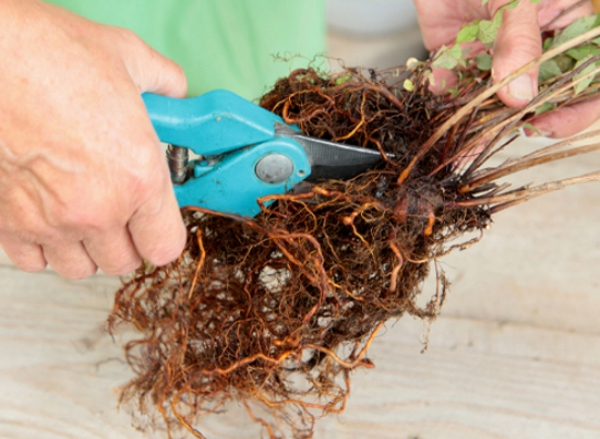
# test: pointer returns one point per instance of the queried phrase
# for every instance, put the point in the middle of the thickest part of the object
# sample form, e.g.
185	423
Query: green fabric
220	43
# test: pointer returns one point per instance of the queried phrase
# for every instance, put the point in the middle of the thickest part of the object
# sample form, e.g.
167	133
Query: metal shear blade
331	160
246	153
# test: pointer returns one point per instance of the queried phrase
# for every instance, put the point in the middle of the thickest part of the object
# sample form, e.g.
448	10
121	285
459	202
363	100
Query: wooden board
515	353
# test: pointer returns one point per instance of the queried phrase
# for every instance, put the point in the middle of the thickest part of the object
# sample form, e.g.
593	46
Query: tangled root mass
276	311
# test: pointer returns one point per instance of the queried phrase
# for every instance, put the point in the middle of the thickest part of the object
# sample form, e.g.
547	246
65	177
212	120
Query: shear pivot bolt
178	158
274	168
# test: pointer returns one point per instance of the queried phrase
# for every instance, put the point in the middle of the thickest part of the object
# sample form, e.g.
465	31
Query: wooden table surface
514	354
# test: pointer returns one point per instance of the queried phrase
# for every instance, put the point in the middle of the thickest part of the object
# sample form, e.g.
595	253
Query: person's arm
517	43
83	180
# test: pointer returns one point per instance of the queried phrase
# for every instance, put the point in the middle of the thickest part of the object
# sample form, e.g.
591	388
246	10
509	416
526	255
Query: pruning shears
243	152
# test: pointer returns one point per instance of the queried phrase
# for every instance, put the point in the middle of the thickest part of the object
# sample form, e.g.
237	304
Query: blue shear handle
221	124
232	186
213	123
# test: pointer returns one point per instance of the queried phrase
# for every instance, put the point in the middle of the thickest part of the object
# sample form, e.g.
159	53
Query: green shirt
229	44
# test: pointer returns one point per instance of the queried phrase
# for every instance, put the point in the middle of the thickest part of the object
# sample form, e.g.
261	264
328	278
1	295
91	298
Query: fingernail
521	88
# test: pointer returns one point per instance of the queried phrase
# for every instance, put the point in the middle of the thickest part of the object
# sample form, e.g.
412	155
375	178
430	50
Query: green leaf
455	51
429	75
487	31
468	33
444	61
583	84
547	44
544	108
483	62
581	52
528	126
484	30
565	63
549	69
343	79
578	27
408	85
497	19
448	57
513	4
483	2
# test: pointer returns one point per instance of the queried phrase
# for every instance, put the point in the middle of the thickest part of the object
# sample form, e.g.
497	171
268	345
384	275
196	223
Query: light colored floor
515	353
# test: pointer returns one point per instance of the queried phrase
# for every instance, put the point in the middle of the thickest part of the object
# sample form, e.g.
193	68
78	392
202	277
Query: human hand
83	179
517	43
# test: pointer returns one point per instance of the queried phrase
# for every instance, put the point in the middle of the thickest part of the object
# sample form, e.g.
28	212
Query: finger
151	71
443	80
113	252
156	228
518	42
26	256
550	10
568	120
440	28
70	260
163	76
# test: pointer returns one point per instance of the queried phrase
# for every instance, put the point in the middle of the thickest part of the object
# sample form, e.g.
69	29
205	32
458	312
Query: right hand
84	183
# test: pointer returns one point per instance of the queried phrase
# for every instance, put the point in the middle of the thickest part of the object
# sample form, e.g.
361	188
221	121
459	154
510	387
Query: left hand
518	42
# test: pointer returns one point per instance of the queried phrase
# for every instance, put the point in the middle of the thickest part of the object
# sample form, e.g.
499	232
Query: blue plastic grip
213	123
233	135
230	185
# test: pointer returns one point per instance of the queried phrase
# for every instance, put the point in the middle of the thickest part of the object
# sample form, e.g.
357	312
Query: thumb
518	42
156	226
152	71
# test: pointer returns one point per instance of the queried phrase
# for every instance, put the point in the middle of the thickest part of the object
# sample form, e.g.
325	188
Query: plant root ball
276	311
